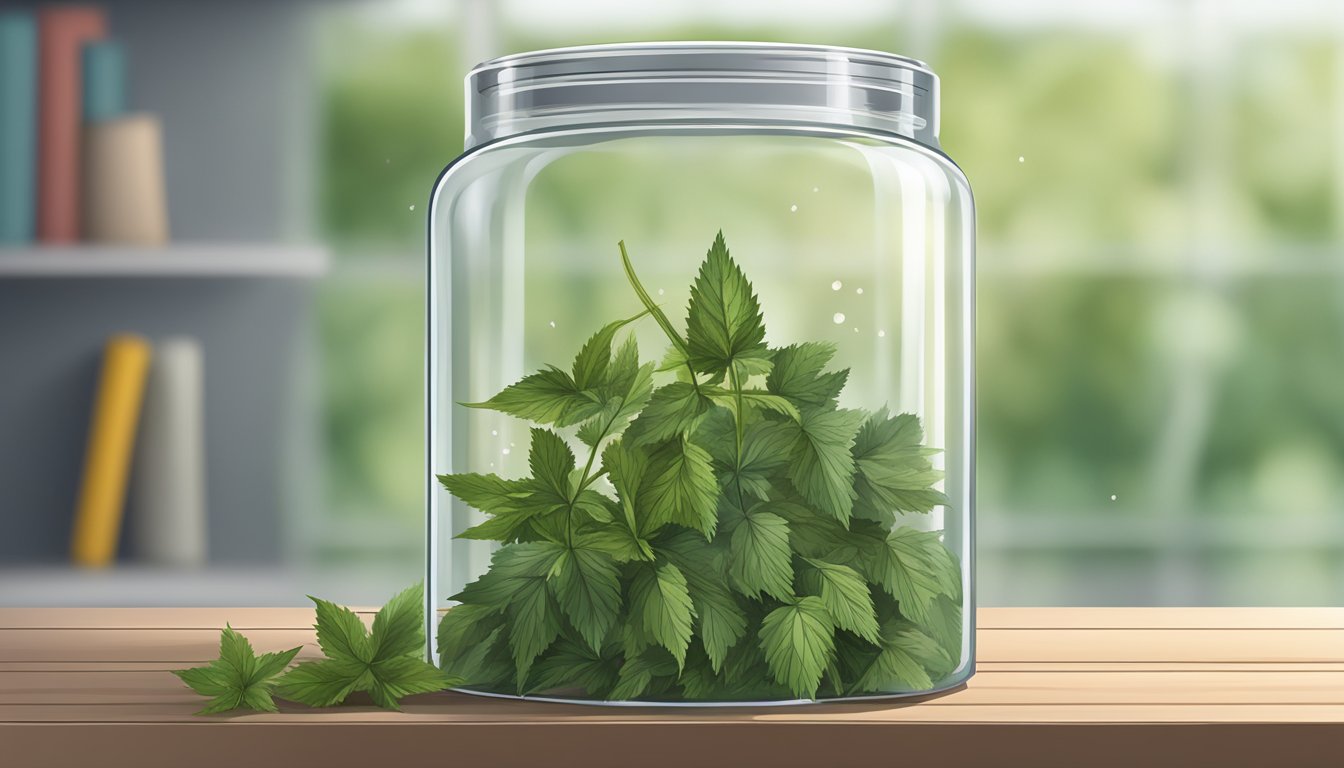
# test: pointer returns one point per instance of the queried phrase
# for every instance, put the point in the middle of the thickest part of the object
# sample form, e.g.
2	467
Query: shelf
1055	687
194	260
214	585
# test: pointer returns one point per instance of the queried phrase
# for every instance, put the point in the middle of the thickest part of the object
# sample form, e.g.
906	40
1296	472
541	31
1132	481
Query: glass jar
700	392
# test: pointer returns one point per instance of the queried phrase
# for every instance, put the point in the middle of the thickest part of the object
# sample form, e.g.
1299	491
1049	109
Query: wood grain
1067	687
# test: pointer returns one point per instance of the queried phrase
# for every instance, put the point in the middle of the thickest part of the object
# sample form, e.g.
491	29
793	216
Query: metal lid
702	81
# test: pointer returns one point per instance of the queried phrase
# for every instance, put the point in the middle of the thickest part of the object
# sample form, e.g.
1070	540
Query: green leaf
590	367
324	683
751	398
386	663
845	594
466	637
660	599
399	626
797	374
719	620
902	664
511	567
672	411
397	677
678	487
569	664
585	582
823	468
551	461
759	556
915	568
549	396
724	321
639	671
535	624
624	393
488	493
238	678
799	642
894	473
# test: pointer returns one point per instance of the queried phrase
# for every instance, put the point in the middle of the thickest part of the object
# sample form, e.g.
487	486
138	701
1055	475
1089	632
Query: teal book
18	128
104	80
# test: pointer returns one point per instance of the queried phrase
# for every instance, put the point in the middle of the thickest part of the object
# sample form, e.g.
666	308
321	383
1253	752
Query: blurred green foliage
1160	313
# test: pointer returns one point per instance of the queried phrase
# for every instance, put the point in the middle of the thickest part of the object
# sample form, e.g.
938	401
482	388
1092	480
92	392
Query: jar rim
564	87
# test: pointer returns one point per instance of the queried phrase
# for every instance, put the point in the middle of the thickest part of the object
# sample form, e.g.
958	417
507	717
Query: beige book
124	199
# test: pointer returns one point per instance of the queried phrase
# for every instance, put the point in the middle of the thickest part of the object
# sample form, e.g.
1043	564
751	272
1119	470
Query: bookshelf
197	260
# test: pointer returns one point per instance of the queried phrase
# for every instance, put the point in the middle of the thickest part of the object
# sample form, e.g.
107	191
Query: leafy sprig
751	546
386	662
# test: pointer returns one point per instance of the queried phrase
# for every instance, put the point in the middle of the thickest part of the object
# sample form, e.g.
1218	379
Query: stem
737	427
657	313
586	480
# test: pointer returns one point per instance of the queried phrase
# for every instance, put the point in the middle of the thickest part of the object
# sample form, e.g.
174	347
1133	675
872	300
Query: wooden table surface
1055	686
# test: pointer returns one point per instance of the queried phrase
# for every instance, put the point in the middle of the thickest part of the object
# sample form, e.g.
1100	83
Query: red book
62	32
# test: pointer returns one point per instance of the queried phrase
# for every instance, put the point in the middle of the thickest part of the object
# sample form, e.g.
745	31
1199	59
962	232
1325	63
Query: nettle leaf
590	367
915	568
511	502
570	664
845	594
797	374
894	472
720	621
799	643
904	660
823	467
535	624
672	411
386	663
661	600
625	391
585	582
678	487
511	567
549	396
723	322
551	461
238	679
639	671
759	556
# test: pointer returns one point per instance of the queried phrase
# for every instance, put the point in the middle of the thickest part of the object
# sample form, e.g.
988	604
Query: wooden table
1066	687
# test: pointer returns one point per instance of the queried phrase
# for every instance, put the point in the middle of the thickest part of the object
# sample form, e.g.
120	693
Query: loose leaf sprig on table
750	547
388	662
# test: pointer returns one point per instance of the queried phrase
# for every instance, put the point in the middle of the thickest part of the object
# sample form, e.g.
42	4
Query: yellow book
107	459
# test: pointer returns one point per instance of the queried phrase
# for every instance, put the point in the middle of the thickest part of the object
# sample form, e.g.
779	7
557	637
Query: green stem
586	480
657	313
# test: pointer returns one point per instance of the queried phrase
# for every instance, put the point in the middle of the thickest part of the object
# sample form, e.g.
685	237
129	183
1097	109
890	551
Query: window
1161	294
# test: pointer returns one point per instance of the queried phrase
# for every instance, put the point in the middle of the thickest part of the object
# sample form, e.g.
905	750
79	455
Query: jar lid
712	82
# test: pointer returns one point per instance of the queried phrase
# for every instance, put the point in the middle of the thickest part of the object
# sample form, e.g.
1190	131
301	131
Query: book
107	457
167	517
123	189
62	31
18	126
103	73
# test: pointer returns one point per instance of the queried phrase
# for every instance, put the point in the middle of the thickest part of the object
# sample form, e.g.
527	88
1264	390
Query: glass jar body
804	505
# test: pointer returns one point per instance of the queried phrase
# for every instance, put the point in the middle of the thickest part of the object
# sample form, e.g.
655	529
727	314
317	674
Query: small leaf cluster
387	663
742	543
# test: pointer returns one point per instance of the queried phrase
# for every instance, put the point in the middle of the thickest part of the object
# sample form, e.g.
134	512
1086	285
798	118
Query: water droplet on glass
816	189
495	432
513	445
660	291
837	285
552	323
793	208
859	291
856	329
839	318
881	334
492	465
1112	497
1021	159
506	451
412	207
